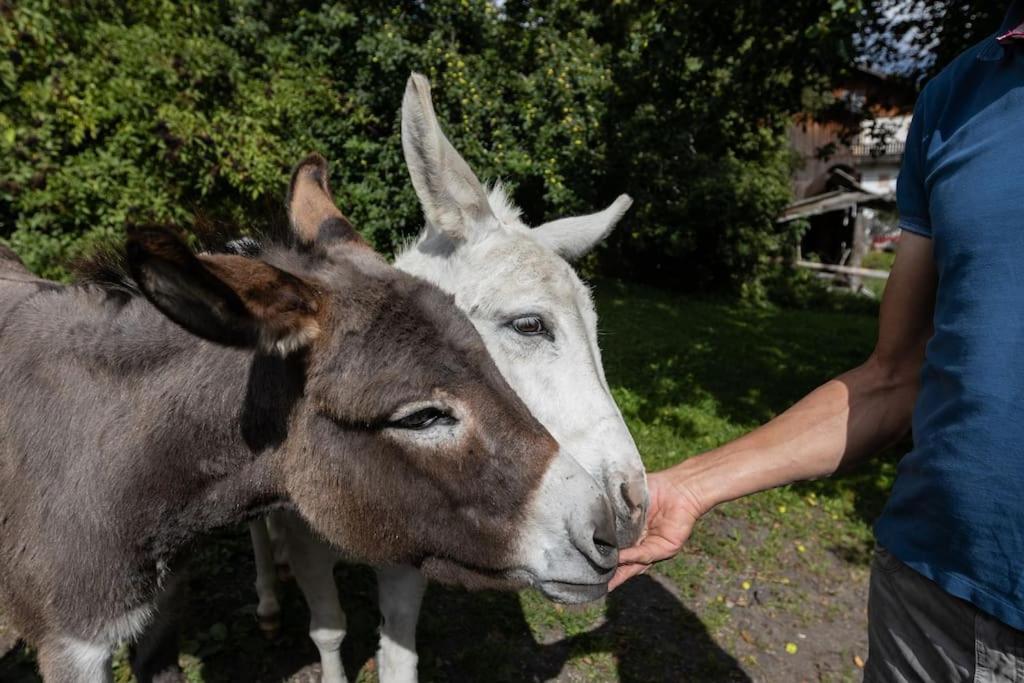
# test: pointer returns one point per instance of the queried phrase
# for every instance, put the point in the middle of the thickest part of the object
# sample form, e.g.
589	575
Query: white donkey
538	322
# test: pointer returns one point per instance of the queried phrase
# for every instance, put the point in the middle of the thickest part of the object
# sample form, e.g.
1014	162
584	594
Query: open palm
673	512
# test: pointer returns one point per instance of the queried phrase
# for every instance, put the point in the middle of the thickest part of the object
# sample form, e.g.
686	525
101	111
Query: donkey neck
222	419
172	435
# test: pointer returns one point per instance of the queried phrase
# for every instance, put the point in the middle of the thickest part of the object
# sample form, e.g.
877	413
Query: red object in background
885	242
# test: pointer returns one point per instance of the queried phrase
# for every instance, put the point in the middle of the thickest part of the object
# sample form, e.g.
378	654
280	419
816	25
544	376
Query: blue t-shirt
956	514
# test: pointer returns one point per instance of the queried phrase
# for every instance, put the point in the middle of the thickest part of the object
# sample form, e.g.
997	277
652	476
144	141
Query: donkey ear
314	217
230	300
453	199
571	238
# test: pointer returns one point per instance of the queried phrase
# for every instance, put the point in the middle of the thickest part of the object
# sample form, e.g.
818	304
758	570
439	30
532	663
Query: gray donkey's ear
227	299
314	216
573	237
454	201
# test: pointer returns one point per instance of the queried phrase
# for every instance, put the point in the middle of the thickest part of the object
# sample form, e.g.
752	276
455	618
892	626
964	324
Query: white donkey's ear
573	237
453	199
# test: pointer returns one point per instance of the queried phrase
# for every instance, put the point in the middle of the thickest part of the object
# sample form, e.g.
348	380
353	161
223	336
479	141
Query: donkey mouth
572	593
446	570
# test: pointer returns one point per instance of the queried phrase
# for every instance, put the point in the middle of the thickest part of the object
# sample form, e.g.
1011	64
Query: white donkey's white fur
538	322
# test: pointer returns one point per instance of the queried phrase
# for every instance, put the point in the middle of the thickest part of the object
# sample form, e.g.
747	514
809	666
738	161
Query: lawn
878	260
770	588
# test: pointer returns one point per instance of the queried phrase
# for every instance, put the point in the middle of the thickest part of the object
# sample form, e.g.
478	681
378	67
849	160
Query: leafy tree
704	91
150	110
918	38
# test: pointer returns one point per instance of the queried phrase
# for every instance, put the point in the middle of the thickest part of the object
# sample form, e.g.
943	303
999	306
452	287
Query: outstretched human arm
846	419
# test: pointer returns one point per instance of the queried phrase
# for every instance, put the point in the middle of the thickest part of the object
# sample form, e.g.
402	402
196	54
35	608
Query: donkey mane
106	266
501	204
505	210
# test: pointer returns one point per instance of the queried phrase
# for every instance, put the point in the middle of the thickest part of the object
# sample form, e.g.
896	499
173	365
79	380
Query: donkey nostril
598	544
603	549
604	537
633	493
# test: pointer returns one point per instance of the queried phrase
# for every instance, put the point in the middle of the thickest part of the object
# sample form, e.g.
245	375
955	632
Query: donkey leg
154	656
400	590
69	660
276	525
313	563
268	610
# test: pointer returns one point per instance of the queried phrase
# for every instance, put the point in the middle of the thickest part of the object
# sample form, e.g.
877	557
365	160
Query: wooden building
848	161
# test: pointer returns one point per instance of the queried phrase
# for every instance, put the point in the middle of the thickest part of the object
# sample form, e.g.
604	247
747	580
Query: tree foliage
918	38
151	110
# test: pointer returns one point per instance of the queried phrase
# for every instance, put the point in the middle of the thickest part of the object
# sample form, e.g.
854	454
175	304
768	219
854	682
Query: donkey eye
422	419
530	326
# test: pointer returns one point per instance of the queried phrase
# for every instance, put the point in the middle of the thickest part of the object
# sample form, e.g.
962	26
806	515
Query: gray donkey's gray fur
316	378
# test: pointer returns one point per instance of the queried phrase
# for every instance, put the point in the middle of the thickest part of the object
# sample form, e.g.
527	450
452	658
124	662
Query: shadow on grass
649	633
752	362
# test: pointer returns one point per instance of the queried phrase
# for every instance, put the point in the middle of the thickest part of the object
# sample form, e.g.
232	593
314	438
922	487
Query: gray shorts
918	632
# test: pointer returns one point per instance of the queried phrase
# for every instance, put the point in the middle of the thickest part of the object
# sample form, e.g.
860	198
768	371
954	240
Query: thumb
652	549
624	573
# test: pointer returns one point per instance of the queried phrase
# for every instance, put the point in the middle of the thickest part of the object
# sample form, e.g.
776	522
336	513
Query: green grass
690	375
880	260
877	260
784	566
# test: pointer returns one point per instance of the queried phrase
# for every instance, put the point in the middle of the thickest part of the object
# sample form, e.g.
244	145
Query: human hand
674	509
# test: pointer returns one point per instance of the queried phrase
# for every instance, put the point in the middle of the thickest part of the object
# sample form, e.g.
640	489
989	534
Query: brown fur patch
225	298
311	209
285	306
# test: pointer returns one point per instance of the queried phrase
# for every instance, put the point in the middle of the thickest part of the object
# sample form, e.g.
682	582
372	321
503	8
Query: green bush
112	113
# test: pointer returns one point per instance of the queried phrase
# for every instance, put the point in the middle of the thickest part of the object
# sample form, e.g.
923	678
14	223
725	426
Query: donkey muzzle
571	548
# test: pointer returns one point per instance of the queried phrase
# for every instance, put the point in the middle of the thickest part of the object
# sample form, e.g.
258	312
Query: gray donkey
216	387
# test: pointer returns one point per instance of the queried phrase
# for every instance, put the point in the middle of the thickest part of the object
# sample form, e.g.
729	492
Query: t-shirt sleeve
911	193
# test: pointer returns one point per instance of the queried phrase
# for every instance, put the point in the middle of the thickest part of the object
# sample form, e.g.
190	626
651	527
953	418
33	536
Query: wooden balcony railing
878	151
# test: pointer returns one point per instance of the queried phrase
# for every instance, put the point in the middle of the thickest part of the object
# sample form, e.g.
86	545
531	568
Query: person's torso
957	509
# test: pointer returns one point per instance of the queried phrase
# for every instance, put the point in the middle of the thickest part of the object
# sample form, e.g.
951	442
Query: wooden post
859	247
843	270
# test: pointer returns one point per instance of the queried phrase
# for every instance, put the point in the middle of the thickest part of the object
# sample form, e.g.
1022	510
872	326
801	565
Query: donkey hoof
270	625
284	572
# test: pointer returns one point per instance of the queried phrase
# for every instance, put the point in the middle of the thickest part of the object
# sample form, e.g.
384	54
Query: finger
625	573
645	553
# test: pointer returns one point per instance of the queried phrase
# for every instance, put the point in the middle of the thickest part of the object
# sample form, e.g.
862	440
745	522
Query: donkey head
534	314
406	445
